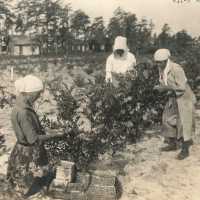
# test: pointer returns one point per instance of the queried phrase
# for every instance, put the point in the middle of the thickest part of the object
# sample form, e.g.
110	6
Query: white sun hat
120	43
29	83
162	54
19	85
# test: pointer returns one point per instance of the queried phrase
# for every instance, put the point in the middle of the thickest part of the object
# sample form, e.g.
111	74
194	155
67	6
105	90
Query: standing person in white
120	62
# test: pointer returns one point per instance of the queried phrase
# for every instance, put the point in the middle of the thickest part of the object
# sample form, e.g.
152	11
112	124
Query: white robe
119	65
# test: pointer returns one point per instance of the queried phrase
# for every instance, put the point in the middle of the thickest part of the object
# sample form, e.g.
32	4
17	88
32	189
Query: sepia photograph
99	99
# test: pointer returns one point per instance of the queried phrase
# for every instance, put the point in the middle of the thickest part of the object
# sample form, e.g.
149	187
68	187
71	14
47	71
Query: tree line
55	27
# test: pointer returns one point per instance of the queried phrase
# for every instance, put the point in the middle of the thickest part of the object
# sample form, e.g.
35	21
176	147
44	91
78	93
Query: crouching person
178	120
28	163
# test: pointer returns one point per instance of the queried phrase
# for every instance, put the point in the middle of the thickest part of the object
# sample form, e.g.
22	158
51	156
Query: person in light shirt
178	114
120	61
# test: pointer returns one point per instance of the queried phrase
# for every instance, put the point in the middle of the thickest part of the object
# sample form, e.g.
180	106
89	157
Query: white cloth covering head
18	85
162	54
166	71
120	43
28	84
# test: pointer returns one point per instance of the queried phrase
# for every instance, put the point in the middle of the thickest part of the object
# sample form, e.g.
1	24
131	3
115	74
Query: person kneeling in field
178	119
120	62
28	164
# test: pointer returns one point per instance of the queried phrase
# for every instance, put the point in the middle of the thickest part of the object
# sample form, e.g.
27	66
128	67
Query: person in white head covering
29	155
120	61
178	113
18	84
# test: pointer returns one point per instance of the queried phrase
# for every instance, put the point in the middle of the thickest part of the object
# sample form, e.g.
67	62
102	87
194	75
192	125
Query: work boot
185	150
172	146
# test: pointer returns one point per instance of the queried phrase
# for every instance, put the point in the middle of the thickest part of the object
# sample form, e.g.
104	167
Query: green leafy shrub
117	115
6	98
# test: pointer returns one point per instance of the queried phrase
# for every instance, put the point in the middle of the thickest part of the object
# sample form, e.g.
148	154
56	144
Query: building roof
22	40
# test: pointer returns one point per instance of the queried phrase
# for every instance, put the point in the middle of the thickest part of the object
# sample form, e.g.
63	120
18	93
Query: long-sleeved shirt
119	65
25	122
185	98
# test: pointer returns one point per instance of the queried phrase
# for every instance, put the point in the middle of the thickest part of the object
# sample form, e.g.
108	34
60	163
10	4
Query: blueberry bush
117	115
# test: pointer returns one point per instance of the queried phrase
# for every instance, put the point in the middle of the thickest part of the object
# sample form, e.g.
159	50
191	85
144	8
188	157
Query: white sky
178	16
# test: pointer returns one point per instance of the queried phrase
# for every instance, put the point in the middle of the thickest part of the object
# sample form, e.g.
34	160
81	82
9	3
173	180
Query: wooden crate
58	194
87	186
77	195
92	179
98	186
75	187
65	174
101	193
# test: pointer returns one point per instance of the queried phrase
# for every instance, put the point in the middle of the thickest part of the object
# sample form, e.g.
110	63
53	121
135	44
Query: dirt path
159	176
149	174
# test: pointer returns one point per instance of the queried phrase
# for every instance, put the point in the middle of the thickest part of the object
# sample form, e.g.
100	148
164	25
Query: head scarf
166	71
161	55
29	83
19	85
120	43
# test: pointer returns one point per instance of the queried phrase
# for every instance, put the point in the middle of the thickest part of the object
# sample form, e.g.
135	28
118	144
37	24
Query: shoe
170	147
185	150
183	154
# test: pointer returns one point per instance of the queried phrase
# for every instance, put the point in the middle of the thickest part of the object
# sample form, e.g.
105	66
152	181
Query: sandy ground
148	173
159	176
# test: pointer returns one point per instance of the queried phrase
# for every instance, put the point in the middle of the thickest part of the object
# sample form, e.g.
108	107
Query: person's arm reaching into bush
28	127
